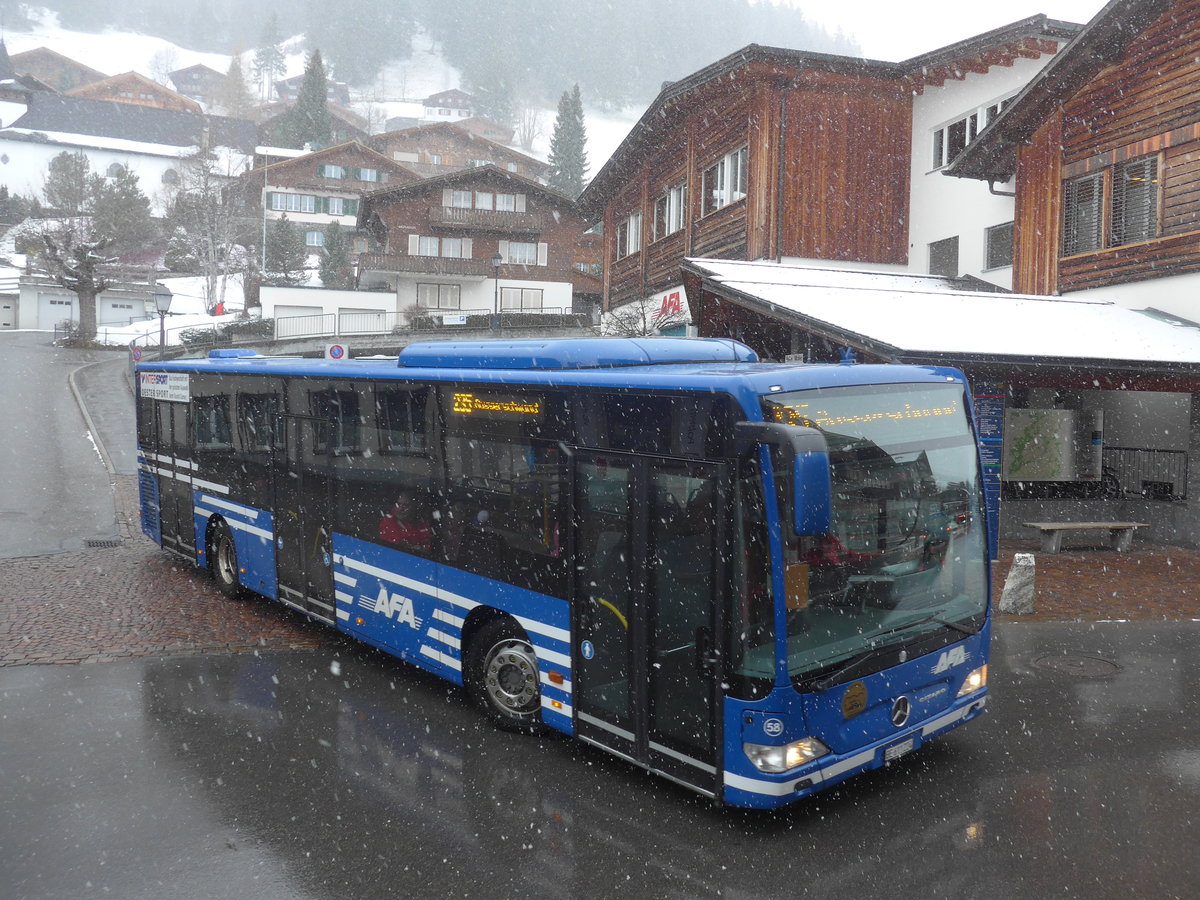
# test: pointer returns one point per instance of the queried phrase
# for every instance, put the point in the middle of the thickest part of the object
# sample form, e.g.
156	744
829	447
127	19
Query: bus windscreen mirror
813	493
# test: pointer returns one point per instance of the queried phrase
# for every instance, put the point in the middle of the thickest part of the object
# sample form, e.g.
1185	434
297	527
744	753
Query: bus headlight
772	758
975	681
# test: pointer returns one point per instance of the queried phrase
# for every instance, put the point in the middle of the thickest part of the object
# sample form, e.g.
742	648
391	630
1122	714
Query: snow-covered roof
915	317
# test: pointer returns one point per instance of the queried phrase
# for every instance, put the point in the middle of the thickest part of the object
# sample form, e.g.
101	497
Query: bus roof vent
572	353
230	354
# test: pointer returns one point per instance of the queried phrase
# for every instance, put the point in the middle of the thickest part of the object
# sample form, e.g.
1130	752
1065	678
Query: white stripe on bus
248	511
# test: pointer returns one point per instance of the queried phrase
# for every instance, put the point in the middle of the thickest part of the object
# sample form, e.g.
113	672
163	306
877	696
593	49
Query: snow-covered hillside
425	72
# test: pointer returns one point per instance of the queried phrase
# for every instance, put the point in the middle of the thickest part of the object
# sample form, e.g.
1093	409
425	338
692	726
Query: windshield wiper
829	680
957	626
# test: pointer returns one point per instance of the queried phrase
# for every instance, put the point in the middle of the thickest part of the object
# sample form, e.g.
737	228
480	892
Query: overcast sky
894	30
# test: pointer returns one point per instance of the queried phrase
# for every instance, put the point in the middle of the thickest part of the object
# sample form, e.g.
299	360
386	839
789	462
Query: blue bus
755	579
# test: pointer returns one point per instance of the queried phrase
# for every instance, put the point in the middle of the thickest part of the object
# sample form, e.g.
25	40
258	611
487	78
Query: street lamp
162	305
497	259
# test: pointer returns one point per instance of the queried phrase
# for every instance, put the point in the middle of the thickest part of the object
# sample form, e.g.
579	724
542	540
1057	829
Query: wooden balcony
423	265
494	220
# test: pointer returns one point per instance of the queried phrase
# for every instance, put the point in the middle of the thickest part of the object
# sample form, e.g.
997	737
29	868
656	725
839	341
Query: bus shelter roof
926	319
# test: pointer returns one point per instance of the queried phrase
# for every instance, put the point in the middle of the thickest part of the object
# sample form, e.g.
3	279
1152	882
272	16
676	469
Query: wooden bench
1121	533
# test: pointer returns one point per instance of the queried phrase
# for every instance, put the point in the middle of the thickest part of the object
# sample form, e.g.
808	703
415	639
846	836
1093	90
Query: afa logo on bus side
390	605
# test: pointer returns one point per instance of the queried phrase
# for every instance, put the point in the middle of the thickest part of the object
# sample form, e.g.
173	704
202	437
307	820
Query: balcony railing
486	219
423	265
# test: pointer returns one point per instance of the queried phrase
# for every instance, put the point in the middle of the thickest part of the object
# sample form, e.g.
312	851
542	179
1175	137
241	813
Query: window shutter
322	205
356	173
1134	202
520	203
504	250
1082	214
447	197
466	248
320	170
270	202
414	244
350	207
543	251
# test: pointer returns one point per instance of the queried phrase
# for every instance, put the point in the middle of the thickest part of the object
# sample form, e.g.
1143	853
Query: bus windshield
904	559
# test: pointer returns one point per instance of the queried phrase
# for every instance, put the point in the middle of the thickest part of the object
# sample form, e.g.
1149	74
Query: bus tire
222	560
502	676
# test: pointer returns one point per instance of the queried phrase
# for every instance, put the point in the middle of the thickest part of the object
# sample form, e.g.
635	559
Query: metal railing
1153	474
416	321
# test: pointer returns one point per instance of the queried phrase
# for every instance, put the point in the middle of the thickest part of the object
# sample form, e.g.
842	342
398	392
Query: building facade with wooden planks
789	155
1105	149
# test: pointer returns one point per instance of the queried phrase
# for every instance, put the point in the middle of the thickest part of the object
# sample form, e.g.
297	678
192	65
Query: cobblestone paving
132	600
138	600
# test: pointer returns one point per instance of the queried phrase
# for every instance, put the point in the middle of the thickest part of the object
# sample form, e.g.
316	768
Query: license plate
897	750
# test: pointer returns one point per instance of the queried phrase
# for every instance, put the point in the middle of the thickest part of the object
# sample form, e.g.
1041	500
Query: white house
151	142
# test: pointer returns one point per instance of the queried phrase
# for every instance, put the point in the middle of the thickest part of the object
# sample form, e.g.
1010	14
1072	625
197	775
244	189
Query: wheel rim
510	677
226	560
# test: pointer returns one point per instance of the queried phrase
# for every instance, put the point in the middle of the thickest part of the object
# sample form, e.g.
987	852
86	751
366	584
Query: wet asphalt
339	772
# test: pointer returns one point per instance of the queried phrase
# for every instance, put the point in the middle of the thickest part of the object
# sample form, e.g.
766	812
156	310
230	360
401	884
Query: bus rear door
648	591
303	539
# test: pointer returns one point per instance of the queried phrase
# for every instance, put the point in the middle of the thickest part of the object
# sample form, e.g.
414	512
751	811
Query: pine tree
335	258
269	61
568	146
121	212
180	255
308	121
70	185
287	257
233	97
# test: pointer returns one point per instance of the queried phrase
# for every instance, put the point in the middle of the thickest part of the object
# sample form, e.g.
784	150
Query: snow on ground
187	311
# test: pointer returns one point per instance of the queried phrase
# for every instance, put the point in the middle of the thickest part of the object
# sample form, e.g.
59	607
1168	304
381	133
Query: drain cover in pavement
1083	666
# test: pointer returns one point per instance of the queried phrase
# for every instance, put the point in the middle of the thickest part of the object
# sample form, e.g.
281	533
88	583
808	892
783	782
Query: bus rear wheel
503	676
222	561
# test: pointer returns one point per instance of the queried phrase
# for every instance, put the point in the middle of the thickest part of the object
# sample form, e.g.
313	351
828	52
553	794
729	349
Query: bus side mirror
812	493
812	485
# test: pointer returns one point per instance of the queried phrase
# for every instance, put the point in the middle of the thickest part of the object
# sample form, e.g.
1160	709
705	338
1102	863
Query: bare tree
163	63
75	264
212	212
529	127
642	318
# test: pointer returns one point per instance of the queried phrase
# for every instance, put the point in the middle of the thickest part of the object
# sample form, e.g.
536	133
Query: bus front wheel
222	561
503	676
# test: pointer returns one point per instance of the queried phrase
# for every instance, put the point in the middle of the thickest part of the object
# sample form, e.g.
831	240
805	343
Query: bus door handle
706	658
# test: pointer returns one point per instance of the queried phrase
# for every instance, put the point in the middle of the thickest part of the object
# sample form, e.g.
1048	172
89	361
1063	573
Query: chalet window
334	205
1083	214
998	246
427	246
476	163
439	296
943	257
484	200
522	253
521	298
1134	202
367	174
724	182
435	159
116	170
669	211
460	199
314	238
293	202
629	235
331	171
455	248
506	202
952	138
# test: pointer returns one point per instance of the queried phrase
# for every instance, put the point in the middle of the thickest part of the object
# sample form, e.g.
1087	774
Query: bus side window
210	418
259	422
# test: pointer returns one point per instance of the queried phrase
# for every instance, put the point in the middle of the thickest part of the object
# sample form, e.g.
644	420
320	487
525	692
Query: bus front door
648	598
303	545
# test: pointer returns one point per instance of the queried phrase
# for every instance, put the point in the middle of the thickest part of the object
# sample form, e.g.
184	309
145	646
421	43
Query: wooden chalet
345	124
772	153
1105	149
198	82
466	231
53	69
138	90
445	147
